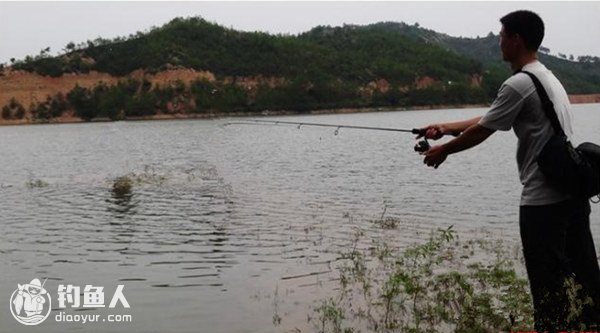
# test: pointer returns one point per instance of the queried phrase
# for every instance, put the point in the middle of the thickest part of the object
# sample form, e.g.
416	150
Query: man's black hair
528	25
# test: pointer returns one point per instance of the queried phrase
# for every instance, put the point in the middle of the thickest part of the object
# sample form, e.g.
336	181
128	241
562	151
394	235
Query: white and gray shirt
518	106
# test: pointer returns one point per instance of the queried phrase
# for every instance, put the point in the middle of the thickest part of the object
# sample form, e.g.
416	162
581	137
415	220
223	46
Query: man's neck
523	60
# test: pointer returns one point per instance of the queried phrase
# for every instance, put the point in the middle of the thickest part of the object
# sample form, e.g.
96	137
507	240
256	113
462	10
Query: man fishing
555	232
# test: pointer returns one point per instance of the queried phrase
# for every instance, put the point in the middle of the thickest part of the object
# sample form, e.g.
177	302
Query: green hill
326	67
350	53
578	77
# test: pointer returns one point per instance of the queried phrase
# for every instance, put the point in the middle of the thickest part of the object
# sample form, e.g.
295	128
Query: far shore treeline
379	65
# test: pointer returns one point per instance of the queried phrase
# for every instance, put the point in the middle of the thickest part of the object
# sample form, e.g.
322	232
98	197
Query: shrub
81	100
13	110
141	105
40	111
6	112
430	287
53	107
57	105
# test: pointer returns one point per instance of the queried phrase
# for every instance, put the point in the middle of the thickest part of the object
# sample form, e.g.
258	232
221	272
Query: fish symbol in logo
30	303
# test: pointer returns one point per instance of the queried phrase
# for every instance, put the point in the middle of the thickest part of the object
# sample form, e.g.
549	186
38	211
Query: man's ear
519	40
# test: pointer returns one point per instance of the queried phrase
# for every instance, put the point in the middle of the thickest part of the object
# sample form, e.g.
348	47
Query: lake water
231	223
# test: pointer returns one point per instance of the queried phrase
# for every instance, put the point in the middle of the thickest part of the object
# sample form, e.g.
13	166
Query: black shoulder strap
547	104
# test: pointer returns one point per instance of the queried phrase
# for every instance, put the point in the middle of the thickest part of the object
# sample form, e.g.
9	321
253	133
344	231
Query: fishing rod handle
423	131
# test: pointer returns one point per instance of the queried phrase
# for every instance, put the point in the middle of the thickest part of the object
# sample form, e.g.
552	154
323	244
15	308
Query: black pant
558	244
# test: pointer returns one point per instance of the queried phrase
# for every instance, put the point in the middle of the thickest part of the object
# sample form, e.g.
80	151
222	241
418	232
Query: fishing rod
300	124
421	146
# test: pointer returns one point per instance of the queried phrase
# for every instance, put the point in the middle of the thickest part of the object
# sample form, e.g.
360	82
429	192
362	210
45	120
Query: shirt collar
532	65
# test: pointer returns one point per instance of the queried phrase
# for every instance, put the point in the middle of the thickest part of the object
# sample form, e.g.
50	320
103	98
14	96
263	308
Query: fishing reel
422	146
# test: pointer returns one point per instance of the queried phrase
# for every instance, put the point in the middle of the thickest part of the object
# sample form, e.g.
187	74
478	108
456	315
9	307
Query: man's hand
436	131
471	137
433	131
435	156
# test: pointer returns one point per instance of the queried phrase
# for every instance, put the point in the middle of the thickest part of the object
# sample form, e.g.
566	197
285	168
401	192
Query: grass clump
387	222
441	285
33	182
437	286
36	183
122	186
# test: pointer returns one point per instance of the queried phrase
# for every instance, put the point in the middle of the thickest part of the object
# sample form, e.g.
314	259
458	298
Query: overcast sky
28	27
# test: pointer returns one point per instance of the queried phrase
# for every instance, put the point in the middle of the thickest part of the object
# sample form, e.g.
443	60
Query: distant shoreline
575	99
29	88
218	115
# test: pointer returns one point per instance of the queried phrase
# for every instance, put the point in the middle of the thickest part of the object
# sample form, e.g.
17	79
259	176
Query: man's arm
472	136
436	131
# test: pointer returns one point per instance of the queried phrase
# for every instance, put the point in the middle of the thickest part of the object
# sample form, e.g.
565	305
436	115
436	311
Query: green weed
35	183
122	186
436	286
